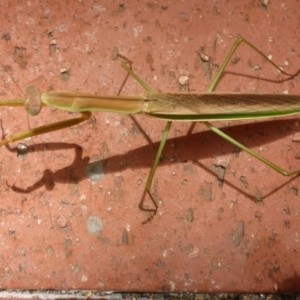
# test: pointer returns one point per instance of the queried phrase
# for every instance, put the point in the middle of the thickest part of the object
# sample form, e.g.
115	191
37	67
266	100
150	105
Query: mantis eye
33	102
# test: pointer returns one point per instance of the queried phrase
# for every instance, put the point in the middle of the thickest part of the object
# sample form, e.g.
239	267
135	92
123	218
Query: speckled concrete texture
69	202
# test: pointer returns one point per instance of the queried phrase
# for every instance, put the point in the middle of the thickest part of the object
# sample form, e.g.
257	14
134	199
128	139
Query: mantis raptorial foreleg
212	87
46	128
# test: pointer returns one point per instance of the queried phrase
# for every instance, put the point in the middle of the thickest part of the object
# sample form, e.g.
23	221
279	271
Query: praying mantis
191	107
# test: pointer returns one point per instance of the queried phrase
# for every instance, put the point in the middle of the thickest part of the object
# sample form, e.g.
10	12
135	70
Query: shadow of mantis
188	148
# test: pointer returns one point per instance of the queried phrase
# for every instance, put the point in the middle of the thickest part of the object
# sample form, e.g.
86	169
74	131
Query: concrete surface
225	222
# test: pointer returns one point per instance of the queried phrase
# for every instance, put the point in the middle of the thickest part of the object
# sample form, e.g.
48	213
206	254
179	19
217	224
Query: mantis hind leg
238	42
250	152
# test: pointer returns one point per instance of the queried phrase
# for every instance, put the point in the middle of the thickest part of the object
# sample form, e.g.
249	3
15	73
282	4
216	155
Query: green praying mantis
192	107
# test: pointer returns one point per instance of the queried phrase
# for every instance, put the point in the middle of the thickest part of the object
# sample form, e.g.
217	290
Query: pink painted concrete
70	232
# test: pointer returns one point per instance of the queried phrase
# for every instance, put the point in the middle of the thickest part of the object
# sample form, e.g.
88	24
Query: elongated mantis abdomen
221	106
